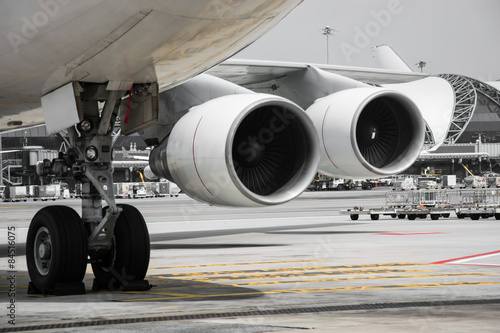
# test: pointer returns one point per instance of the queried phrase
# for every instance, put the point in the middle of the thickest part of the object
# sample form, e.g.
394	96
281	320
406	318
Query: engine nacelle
367	132
240	150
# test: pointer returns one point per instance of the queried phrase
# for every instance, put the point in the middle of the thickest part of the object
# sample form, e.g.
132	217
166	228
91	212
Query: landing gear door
60	108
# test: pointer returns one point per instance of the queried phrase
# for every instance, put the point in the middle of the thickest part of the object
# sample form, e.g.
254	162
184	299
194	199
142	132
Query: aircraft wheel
56	249
125	265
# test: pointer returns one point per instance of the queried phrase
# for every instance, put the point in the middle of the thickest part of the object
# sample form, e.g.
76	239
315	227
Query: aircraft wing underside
248	72
44	45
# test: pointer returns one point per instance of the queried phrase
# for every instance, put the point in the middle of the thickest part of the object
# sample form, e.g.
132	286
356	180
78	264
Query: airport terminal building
471	132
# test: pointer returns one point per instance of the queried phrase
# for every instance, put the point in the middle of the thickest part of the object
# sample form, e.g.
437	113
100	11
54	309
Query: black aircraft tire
56	248
130	255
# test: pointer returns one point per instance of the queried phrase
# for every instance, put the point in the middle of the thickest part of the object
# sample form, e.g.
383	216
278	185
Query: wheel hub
42	249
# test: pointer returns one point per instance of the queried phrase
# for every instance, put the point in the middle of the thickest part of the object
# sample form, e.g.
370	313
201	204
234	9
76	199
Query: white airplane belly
47	44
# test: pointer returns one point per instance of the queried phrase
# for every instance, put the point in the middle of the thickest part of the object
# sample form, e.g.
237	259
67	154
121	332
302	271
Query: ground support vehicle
412	204
162	189
475	213
325	183
137	191
121	190
474	204
45	192
15	194
374	213
401	213
174	190
131	191
479	204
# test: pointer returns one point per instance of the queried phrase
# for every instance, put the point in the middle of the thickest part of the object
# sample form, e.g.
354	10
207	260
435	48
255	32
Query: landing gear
115	239
56	251
124	266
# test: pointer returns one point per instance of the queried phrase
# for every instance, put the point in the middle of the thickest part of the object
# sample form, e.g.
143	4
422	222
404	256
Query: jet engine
367	132
240	150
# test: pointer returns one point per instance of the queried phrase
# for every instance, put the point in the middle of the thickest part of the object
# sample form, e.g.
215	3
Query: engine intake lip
272	151
397	149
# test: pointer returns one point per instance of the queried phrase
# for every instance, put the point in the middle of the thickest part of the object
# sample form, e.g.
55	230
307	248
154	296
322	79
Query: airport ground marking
13	207
483	265
467	258
347	279
408	233
281	275
288	269
171	296
238	264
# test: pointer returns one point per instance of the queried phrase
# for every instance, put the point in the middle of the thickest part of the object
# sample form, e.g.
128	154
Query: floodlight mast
421	65
327	31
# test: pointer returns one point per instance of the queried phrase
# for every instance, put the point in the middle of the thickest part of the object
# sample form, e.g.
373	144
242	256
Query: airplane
242	134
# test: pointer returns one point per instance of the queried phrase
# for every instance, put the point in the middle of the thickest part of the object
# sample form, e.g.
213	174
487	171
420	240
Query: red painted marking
125	121
482	265
194	159
468	257
410	233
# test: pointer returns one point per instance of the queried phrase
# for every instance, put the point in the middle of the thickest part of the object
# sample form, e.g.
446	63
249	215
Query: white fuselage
45	44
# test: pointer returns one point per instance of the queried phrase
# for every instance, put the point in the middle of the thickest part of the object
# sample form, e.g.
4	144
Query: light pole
327	31
421	65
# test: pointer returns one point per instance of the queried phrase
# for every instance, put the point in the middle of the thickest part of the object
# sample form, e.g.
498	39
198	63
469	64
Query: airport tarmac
295	267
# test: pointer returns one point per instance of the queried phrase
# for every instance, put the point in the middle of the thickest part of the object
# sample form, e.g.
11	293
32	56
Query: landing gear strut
114	239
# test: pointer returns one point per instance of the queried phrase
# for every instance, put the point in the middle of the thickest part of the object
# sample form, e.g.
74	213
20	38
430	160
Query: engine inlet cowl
240	150
367	132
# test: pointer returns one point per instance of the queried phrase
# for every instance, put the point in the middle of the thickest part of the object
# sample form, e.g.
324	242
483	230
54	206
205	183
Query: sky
452	36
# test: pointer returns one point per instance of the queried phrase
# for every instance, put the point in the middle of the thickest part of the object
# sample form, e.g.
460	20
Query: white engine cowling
240	150
367	132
